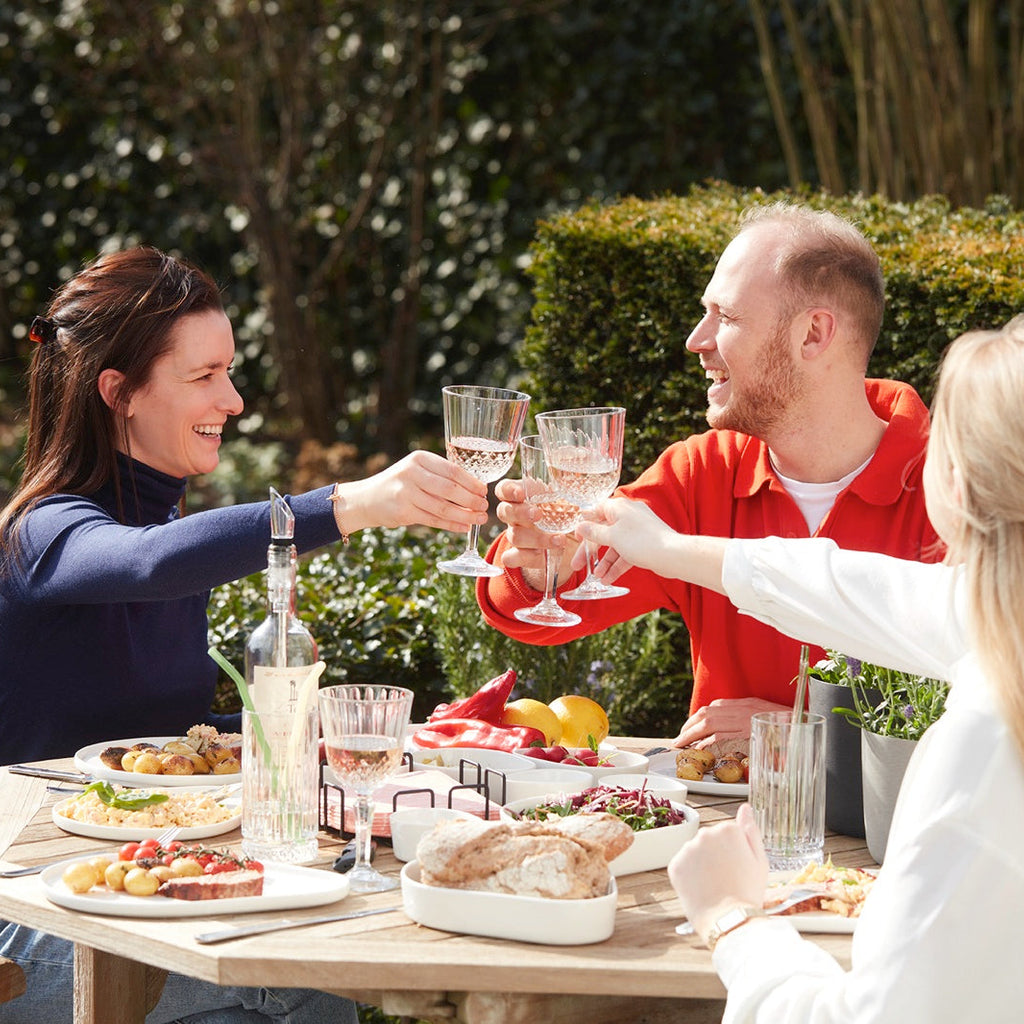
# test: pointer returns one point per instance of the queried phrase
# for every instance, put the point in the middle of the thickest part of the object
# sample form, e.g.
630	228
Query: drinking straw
795	754
243	692
801	685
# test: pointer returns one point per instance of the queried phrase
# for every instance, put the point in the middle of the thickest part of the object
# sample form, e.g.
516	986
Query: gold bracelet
335	498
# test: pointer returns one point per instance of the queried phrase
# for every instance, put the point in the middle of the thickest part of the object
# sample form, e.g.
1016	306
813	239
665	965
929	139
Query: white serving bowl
652	849
661	786
410	824
551	781
452	760
504	916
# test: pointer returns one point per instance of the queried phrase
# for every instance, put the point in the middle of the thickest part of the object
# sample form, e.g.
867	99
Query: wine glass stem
588	550
550	576
364	819
472	539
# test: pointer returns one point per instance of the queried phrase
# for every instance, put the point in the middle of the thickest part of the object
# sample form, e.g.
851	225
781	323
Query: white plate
88	760
665	764
504	916
651	850
285	887
125	833
450	761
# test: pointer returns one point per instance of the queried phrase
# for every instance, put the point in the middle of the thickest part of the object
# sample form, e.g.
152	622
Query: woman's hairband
42	330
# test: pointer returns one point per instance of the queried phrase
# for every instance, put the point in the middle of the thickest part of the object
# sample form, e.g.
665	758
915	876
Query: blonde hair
977	438
824	260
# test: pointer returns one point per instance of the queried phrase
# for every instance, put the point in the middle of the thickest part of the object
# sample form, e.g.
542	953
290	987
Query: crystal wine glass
558	514
481	430
584	449
364	736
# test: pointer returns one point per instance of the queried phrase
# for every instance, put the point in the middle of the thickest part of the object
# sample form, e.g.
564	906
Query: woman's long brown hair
117	313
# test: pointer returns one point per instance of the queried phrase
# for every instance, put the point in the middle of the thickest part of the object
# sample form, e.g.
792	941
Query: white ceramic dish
285	887
88	760
470	762
665	764
502	916
651	850
410	824
618	761
660	786
124	833
546	782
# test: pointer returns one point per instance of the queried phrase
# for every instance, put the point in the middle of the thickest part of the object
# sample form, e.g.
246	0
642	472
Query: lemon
533	713
583	720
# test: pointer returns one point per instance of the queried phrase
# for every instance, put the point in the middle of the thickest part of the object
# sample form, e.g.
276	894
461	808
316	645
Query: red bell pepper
472	732
486	704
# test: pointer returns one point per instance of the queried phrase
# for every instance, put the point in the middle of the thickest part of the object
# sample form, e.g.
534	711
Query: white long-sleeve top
940	936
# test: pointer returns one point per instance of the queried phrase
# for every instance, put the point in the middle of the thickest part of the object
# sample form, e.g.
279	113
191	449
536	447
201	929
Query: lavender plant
908	703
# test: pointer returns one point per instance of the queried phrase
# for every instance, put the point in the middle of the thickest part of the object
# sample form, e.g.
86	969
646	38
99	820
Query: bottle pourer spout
282	519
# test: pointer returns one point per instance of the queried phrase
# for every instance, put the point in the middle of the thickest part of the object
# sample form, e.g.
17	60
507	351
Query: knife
51	773
272	926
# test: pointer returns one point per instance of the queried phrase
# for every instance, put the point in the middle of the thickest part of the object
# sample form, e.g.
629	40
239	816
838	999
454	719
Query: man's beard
767	397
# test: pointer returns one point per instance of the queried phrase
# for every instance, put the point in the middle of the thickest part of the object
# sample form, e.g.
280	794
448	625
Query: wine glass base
593	591
370	880
541	615
470	565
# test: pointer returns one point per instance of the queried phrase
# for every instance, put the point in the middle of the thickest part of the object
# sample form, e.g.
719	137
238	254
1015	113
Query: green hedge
617	289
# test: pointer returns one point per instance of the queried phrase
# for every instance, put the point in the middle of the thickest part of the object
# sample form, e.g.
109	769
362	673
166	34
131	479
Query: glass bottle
280	652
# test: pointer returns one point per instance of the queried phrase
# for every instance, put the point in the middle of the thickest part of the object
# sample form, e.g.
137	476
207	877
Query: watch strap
730	921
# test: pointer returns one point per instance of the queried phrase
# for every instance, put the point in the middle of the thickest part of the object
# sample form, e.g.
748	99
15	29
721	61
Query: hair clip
42	330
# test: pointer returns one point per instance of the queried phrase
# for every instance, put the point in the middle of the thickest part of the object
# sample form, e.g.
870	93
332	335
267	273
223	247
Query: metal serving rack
488	781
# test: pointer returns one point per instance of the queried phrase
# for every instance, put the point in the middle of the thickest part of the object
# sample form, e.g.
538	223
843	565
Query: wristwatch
730	921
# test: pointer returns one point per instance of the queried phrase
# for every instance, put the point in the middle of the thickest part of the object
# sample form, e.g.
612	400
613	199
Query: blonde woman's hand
723	866
423	489
631	532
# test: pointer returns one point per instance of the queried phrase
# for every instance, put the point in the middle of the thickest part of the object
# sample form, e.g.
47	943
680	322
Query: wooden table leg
109	989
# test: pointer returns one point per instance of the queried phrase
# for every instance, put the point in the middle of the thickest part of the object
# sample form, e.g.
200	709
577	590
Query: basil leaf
128	800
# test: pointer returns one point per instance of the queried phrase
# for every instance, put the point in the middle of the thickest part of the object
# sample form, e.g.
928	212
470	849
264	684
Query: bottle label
276	689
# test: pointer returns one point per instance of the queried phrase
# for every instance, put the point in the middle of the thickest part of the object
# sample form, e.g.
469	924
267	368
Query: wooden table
643	973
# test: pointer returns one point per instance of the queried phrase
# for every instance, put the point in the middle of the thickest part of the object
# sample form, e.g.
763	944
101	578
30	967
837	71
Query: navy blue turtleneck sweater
103	631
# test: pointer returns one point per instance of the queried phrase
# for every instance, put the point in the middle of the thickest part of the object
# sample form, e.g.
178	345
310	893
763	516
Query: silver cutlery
244	931
59	774
795	897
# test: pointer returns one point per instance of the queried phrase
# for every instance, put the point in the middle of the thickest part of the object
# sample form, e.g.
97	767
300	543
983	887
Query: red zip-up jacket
720	483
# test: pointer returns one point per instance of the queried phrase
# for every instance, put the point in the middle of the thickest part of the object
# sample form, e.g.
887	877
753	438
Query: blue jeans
48	963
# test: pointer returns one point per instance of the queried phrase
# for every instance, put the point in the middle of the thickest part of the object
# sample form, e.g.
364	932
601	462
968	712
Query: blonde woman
936	941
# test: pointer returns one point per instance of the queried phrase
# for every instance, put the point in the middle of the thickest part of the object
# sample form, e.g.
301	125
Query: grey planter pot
844	803
884	760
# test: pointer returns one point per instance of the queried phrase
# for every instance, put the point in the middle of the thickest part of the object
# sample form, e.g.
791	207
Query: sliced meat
214	887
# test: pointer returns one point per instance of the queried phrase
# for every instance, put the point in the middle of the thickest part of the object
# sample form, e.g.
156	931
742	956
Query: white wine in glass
557	514
364	737
584	449
481	430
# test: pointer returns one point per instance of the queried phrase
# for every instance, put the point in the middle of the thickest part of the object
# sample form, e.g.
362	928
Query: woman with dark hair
104	583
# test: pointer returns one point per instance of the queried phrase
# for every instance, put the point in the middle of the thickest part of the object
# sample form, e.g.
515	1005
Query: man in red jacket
801	445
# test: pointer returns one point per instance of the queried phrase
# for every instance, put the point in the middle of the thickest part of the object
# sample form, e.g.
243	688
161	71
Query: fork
162	840
795	897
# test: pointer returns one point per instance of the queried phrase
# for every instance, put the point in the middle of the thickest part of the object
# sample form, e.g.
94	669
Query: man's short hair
824	260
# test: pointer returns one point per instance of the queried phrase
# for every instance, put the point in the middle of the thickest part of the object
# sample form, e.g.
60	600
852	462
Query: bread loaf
563	859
